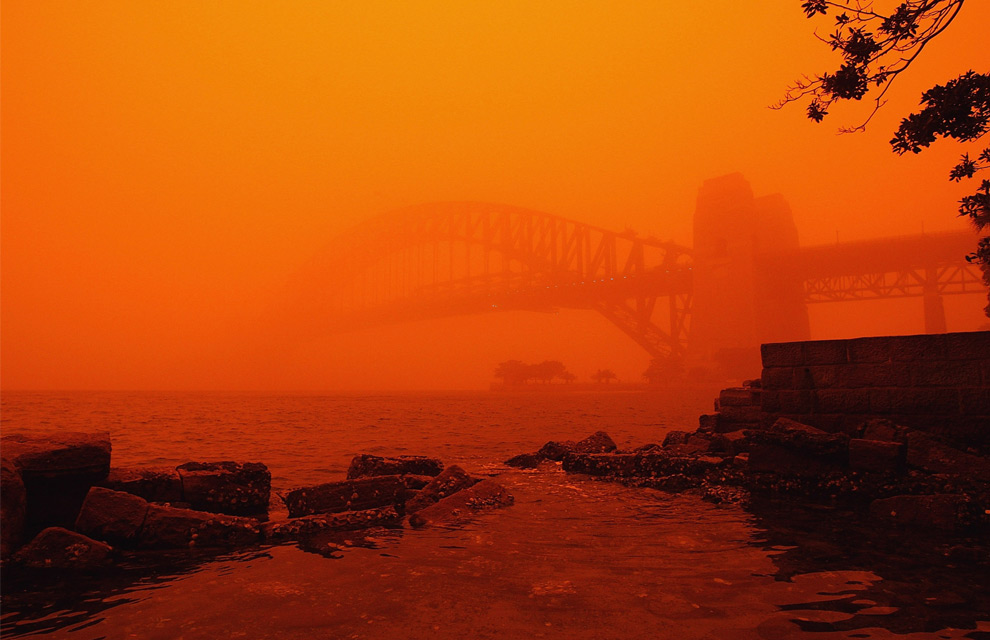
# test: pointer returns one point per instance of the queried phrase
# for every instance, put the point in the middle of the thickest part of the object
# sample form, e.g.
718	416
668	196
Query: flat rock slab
58	548
925	452
347	495
67	453
170	528
803	439
13	508
306	526
113	516
876	455
154	484
233	488
449	482
484	496
366	465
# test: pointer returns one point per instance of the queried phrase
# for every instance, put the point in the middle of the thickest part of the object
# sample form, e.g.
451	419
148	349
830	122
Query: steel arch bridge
458	258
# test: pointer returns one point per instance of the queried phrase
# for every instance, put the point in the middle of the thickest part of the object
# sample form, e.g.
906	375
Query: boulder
57	469
876	455
938	511
555	451
305	526
13	508
925	452
695	443
603	464
450	481
347	495
171	528
113	516
232	488
675	437
366	465
829	448
414	482
598	442
883	430
524	461
729	443
59	548
154	484
484	496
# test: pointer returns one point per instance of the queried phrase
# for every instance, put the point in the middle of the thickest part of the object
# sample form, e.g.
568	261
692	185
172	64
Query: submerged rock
171	528
939	511
347	495
452	480
13	508
305	526
59	548
232	488
484	496
366	465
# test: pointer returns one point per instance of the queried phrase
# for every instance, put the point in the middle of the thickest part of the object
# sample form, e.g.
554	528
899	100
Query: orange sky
167	165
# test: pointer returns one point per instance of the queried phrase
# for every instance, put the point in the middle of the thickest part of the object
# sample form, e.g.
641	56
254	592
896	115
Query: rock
232	488
524	461
883	430
66	453
603	464
729	443
58	548
57	469
305	526
598	442
939	511
756	383
13	508
832	448
484	496
925	452
773	458
346	495
113	516
449	482
154	484
624	465
675	437
366	465
171	528
415	483
555	451
708	422
648	448
876	455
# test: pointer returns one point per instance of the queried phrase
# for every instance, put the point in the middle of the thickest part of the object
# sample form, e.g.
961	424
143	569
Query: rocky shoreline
65	507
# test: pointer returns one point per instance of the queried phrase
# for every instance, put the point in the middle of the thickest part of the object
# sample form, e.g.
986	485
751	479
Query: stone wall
936	383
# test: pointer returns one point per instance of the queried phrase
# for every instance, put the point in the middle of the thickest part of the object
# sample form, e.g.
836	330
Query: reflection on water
574	558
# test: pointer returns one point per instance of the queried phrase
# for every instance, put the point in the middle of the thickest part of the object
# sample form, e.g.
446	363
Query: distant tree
512	371
604	375
546	370
567	377
876	47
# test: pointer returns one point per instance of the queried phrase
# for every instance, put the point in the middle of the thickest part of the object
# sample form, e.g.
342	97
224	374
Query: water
573	558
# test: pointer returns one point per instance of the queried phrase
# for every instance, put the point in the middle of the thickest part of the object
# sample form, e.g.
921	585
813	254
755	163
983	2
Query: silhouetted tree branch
876	47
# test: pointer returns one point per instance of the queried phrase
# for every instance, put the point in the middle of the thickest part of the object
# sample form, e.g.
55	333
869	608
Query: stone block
797	401
59	548
171	528
870	375
232	488
347	495
112	516
938	511
967	345
57	469
415	483
740	414
730	443
756	383
484	496
366	465
708	422
869	350
923	348
880	401
154	484
305	526
828	448
450	481
738	397
876	455
945	373
884	430
924	400
770	401
782	354
771	458
975	401
777	378
13	508
825	352
843	400
824	377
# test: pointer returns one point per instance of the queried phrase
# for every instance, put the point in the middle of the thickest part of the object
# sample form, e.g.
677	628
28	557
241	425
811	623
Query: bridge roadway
459	258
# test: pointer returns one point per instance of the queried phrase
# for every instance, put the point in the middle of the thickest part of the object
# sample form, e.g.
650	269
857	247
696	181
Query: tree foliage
518	372
876	47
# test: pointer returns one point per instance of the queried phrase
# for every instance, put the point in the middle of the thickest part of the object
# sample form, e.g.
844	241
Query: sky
166	167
